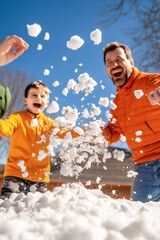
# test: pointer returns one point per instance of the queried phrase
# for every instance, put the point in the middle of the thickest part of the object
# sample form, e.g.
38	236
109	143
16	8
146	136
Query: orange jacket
136	118
28	155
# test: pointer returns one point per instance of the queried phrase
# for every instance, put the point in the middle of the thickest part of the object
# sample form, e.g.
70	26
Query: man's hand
154	97
11	48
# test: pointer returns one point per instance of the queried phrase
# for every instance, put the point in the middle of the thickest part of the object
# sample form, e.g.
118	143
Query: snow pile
72	212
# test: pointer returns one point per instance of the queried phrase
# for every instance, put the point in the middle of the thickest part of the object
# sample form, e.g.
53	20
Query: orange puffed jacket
28	155
135	118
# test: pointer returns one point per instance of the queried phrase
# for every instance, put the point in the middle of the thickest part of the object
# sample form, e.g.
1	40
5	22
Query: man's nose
115	63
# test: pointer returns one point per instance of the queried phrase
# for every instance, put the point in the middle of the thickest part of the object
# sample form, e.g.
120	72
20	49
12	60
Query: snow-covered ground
71	212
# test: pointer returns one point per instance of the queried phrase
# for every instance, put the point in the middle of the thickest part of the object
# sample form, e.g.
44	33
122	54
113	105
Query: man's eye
119	60
109	63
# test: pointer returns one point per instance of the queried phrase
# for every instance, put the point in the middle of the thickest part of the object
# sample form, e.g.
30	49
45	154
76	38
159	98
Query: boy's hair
113	45
36	85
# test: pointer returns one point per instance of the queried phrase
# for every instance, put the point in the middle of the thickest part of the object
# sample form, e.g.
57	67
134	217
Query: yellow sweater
28	155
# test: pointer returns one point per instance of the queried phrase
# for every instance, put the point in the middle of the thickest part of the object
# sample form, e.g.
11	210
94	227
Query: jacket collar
130	81
32	115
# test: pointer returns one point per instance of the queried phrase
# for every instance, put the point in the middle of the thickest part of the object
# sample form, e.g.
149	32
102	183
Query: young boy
28	165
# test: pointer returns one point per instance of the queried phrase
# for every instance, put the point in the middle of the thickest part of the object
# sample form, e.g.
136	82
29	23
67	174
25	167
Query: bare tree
145	36
15	81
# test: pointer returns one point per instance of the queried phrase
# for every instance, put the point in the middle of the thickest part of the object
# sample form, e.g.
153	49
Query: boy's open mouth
37	105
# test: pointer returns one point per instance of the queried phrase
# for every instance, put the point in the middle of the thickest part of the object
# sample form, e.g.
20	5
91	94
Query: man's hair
113	45
36	85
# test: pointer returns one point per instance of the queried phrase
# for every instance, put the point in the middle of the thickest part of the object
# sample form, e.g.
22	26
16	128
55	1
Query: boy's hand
154	97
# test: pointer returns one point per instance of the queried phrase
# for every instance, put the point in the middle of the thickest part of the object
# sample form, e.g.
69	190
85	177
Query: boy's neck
35	114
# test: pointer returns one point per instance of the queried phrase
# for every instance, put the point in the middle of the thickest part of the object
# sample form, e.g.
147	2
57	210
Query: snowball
75	42
139	133
53	107
104	102
46	72
34	30
64	58
96	36
46	36
56	84
65	91
39	47
71	84
119	155
138	93
41	155
34	122
113	106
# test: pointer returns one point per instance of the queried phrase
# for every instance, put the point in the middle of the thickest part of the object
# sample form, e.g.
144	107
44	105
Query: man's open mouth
117	72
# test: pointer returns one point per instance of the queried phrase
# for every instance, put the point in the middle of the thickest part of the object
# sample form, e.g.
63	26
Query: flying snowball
138	93
39	47
104	101
34	30
46	72
75	42
53	107
55	84
64	58
46	36
96	36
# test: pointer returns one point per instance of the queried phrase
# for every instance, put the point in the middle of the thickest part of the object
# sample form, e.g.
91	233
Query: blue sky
63	19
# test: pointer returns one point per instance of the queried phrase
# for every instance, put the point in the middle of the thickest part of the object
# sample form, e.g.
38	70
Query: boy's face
37	100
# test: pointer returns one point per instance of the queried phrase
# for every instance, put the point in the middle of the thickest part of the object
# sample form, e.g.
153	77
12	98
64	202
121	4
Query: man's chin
119	83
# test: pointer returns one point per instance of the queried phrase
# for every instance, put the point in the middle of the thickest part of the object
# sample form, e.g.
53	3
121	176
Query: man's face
118	67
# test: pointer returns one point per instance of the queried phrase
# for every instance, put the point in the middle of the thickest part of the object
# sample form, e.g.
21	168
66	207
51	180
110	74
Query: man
137	117
10	48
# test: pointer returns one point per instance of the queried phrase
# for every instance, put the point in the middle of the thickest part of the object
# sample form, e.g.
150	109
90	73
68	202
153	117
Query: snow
138	93
72	212
96	36
75	42
53	107
46	36
46	72
34	29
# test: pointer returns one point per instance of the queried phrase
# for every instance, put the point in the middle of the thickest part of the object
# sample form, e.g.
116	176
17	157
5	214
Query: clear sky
63	19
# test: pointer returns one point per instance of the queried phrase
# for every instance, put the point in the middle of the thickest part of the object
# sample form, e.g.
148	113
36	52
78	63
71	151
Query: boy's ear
25	100
47	103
